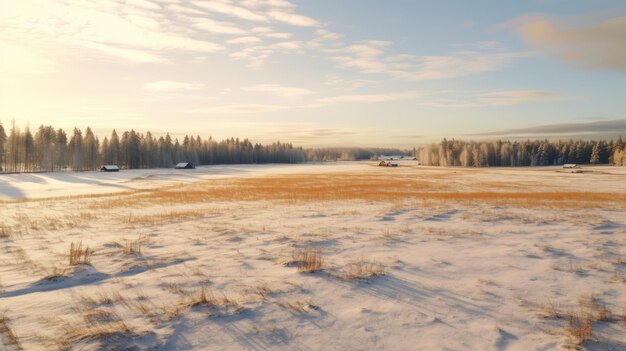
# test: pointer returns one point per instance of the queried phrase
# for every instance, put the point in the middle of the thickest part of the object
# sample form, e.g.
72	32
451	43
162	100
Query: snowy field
338	256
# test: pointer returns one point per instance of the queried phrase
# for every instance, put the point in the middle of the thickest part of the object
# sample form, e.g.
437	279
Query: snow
54	184
458	275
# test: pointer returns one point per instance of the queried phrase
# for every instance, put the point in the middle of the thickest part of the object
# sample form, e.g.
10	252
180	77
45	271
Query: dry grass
580	326
262	289
107	333
164	217
5	232
78	254
352	186
102	298
207	297
7	331
308	260
220	304
581	318
363	269
298	306
55	272
133	247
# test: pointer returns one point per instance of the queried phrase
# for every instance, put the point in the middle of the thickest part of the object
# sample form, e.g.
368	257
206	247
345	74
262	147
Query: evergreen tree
3	140
76	150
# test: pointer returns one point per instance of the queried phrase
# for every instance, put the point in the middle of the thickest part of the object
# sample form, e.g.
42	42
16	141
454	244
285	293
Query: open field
342	256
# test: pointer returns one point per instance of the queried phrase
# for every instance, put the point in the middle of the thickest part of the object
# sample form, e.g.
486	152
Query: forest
50	149
523	153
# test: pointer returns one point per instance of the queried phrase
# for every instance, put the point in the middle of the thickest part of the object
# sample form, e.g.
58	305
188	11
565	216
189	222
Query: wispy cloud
279	90
601	45
218	27
377	57
372	98
245	108
293	19
613	127
460	99
170	86
228	8
244	40
136	33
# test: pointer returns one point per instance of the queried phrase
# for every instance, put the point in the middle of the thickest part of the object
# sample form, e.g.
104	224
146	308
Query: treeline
523	153
50	149
350	154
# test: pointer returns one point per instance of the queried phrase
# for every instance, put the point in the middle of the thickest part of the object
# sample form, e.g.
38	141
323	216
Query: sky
392	73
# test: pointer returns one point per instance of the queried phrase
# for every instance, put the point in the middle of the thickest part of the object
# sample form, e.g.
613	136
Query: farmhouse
185	165
109	168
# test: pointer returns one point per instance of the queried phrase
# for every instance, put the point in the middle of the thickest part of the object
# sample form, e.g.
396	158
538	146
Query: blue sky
319	72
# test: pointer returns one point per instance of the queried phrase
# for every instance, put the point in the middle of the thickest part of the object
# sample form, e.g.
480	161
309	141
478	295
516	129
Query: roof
570	165
184	165
110	167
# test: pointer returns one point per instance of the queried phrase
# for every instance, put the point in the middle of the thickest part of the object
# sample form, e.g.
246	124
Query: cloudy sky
318	72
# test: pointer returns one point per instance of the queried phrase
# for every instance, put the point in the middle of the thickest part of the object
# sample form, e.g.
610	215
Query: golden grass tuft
100	331
363	269
133	247
221	304
308	260
580	326
5	232
55	273
581	319
79	255
102	298
207	297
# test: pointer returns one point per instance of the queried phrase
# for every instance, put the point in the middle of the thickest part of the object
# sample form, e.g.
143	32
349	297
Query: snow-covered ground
54	184
413	258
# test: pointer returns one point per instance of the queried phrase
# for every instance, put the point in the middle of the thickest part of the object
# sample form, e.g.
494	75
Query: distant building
109	168
185	165
570	165
387	164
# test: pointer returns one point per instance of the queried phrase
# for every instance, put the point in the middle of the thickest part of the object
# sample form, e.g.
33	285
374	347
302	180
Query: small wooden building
387	164
109	168
185	165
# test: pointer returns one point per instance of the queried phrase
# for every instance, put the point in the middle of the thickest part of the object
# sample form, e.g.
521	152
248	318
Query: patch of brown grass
102	298
580	326
92	329
363	269
372	185
581	318
5	232
350	186
308	260
55	273
165	217
205	296
133	247
220	304
79	255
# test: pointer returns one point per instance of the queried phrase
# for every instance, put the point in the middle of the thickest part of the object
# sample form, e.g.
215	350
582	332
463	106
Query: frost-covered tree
3	140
